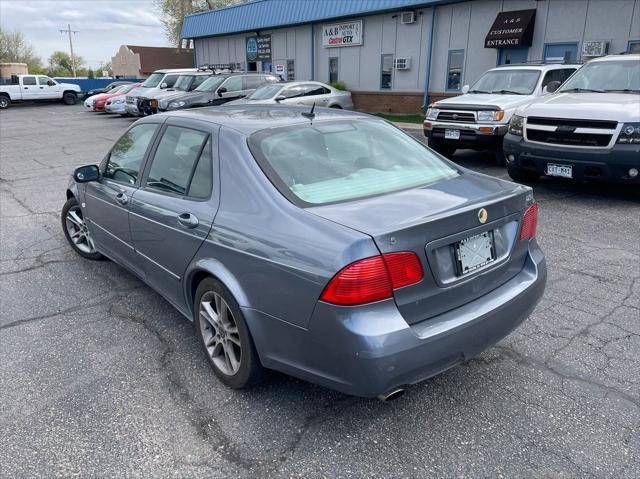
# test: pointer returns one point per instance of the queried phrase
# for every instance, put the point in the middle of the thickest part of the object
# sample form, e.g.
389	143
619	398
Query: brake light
373	279
529	223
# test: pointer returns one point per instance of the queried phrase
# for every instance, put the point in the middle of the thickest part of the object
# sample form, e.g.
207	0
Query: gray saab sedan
328	245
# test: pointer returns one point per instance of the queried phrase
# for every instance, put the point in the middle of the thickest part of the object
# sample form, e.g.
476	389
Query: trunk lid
431	221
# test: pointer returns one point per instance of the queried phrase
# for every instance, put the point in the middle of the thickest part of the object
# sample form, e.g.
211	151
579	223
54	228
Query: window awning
511	30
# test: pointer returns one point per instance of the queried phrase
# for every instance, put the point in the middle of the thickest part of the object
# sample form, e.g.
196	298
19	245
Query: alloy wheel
78	231
220	333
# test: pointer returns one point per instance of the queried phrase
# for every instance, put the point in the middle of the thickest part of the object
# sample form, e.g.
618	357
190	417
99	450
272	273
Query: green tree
14	48
61	63
172	13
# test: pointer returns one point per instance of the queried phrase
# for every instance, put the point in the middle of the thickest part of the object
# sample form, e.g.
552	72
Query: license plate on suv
475	252
451	134
564	171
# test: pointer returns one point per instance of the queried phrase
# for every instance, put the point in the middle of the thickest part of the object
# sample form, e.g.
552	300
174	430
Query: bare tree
172	13
14	48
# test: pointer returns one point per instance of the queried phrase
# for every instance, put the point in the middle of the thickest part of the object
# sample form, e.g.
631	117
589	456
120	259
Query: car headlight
121	100
162	104
432	113
630	133
176	104
516	125
489	115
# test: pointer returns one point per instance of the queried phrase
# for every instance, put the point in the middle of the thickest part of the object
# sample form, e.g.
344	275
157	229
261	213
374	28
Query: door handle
26	88
41	87
122	198
188	220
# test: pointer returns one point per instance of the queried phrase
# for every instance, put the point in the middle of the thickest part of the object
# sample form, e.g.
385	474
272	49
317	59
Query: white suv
478	119
589	129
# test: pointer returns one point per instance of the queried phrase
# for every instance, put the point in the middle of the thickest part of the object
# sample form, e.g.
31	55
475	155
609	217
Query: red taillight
404	268
529	223
373	279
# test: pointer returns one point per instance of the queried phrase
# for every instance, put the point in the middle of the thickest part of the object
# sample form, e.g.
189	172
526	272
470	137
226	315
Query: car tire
75	230
5	102
442	148
224	336
69	98
521	175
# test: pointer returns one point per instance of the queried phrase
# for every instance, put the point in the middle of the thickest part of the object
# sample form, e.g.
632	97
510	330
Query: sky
103	25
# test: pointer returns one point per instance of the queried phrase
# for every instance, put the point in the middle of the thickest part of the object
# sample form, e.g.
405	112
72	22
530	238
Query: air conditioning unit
402	63
594	49
407	17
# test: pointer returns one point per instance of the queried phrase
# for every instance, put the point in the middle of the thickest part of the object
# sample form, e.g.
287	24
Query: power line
68	31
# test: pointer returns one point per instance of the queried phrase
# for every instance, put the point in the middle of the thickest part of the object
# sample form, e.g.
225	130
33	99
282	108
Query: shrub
338	85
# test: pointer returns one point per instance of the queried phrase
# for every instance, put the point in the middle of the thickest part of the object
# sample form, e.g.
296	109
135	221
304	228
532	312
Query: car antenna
311	115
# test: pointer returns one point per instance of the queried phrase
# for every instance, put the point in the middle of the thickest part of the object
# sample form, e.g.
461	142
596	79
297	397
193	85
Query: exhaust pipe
391	395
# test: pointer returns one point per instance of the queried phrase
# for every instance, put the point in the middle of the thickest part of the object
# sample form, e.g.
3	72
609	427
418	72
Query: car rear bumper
607	164
367	351
472	135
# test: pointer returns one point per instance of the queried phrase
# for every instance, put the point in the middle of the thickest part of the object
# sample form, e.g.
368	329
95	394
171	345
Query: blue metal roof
266	14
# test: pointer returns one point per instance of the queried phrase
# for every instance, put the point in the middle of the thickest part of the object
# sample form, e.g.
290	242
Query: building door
561	52
510	56
252	67
266	66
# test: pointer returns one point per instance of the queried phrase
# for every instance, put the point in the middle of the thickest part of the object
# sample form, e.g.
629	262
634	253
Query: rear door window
175	160
553	75
28	80
314	90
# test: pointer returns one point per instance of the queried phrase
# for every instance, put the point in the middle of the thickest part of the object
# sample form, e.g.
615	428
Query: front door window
127	154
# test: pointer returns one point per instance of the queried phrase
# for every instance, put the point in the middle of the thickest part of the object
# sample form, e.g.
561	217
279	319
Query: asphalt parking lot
100	377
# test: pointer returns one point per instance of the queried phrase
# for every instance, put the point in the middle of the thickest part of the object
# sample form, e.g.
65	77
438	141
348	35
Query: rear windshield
335	161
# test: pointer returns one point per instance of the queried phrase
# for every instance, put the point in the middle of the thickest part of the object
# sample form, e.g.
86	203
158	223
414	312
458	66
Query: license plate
452	134
475	252
564	171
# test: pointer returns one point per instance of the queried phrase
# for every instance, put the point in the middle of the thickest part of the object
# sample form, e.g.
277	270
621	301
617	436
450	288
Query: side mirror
465	89
50	83
279	98
551	87
87	173
163	85
221	91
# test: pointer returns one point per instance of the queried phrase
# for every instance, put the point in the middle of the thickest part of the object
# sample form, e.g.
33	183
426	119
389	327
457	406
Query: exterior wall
8	69
457	26
126	64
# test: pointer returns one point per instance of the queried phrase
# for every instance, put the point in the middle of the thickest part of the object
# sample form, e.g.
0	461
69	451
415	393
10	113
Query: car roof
176	70
302	82
536	66
248	119
631	57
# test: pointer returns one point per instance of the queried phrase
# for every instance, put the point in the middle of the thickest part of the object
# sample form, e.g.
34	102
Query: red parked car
100	101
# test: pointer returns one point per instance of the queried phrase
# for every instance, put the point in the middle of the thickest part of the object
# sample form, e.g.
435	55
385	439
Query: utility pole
69	32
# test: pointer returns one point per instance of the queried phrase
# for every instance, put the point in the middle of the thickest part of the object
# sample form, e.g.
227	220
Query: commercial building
399	55
132	61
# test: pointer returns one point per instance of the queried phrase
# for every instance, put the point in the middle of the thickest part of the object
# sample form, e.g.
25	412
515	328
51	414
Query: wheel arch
75	93
211	268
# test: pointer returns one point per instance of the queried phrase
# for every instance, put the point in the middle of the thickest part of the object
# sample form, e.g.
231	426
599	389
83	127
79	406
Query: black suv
217	89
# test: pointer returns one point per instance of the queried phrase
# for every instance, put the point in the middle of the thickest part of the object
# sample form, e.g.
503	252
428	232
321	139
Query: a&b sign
342	34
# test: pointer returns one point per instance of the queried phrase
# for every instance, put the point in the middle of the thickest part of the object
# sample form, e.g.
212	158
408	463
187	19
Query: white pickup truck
37	88
478	118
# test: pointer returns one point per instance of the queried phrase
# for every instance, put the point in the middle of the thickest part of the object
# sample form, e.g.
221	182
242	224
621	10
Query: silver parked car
299	93
329	245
